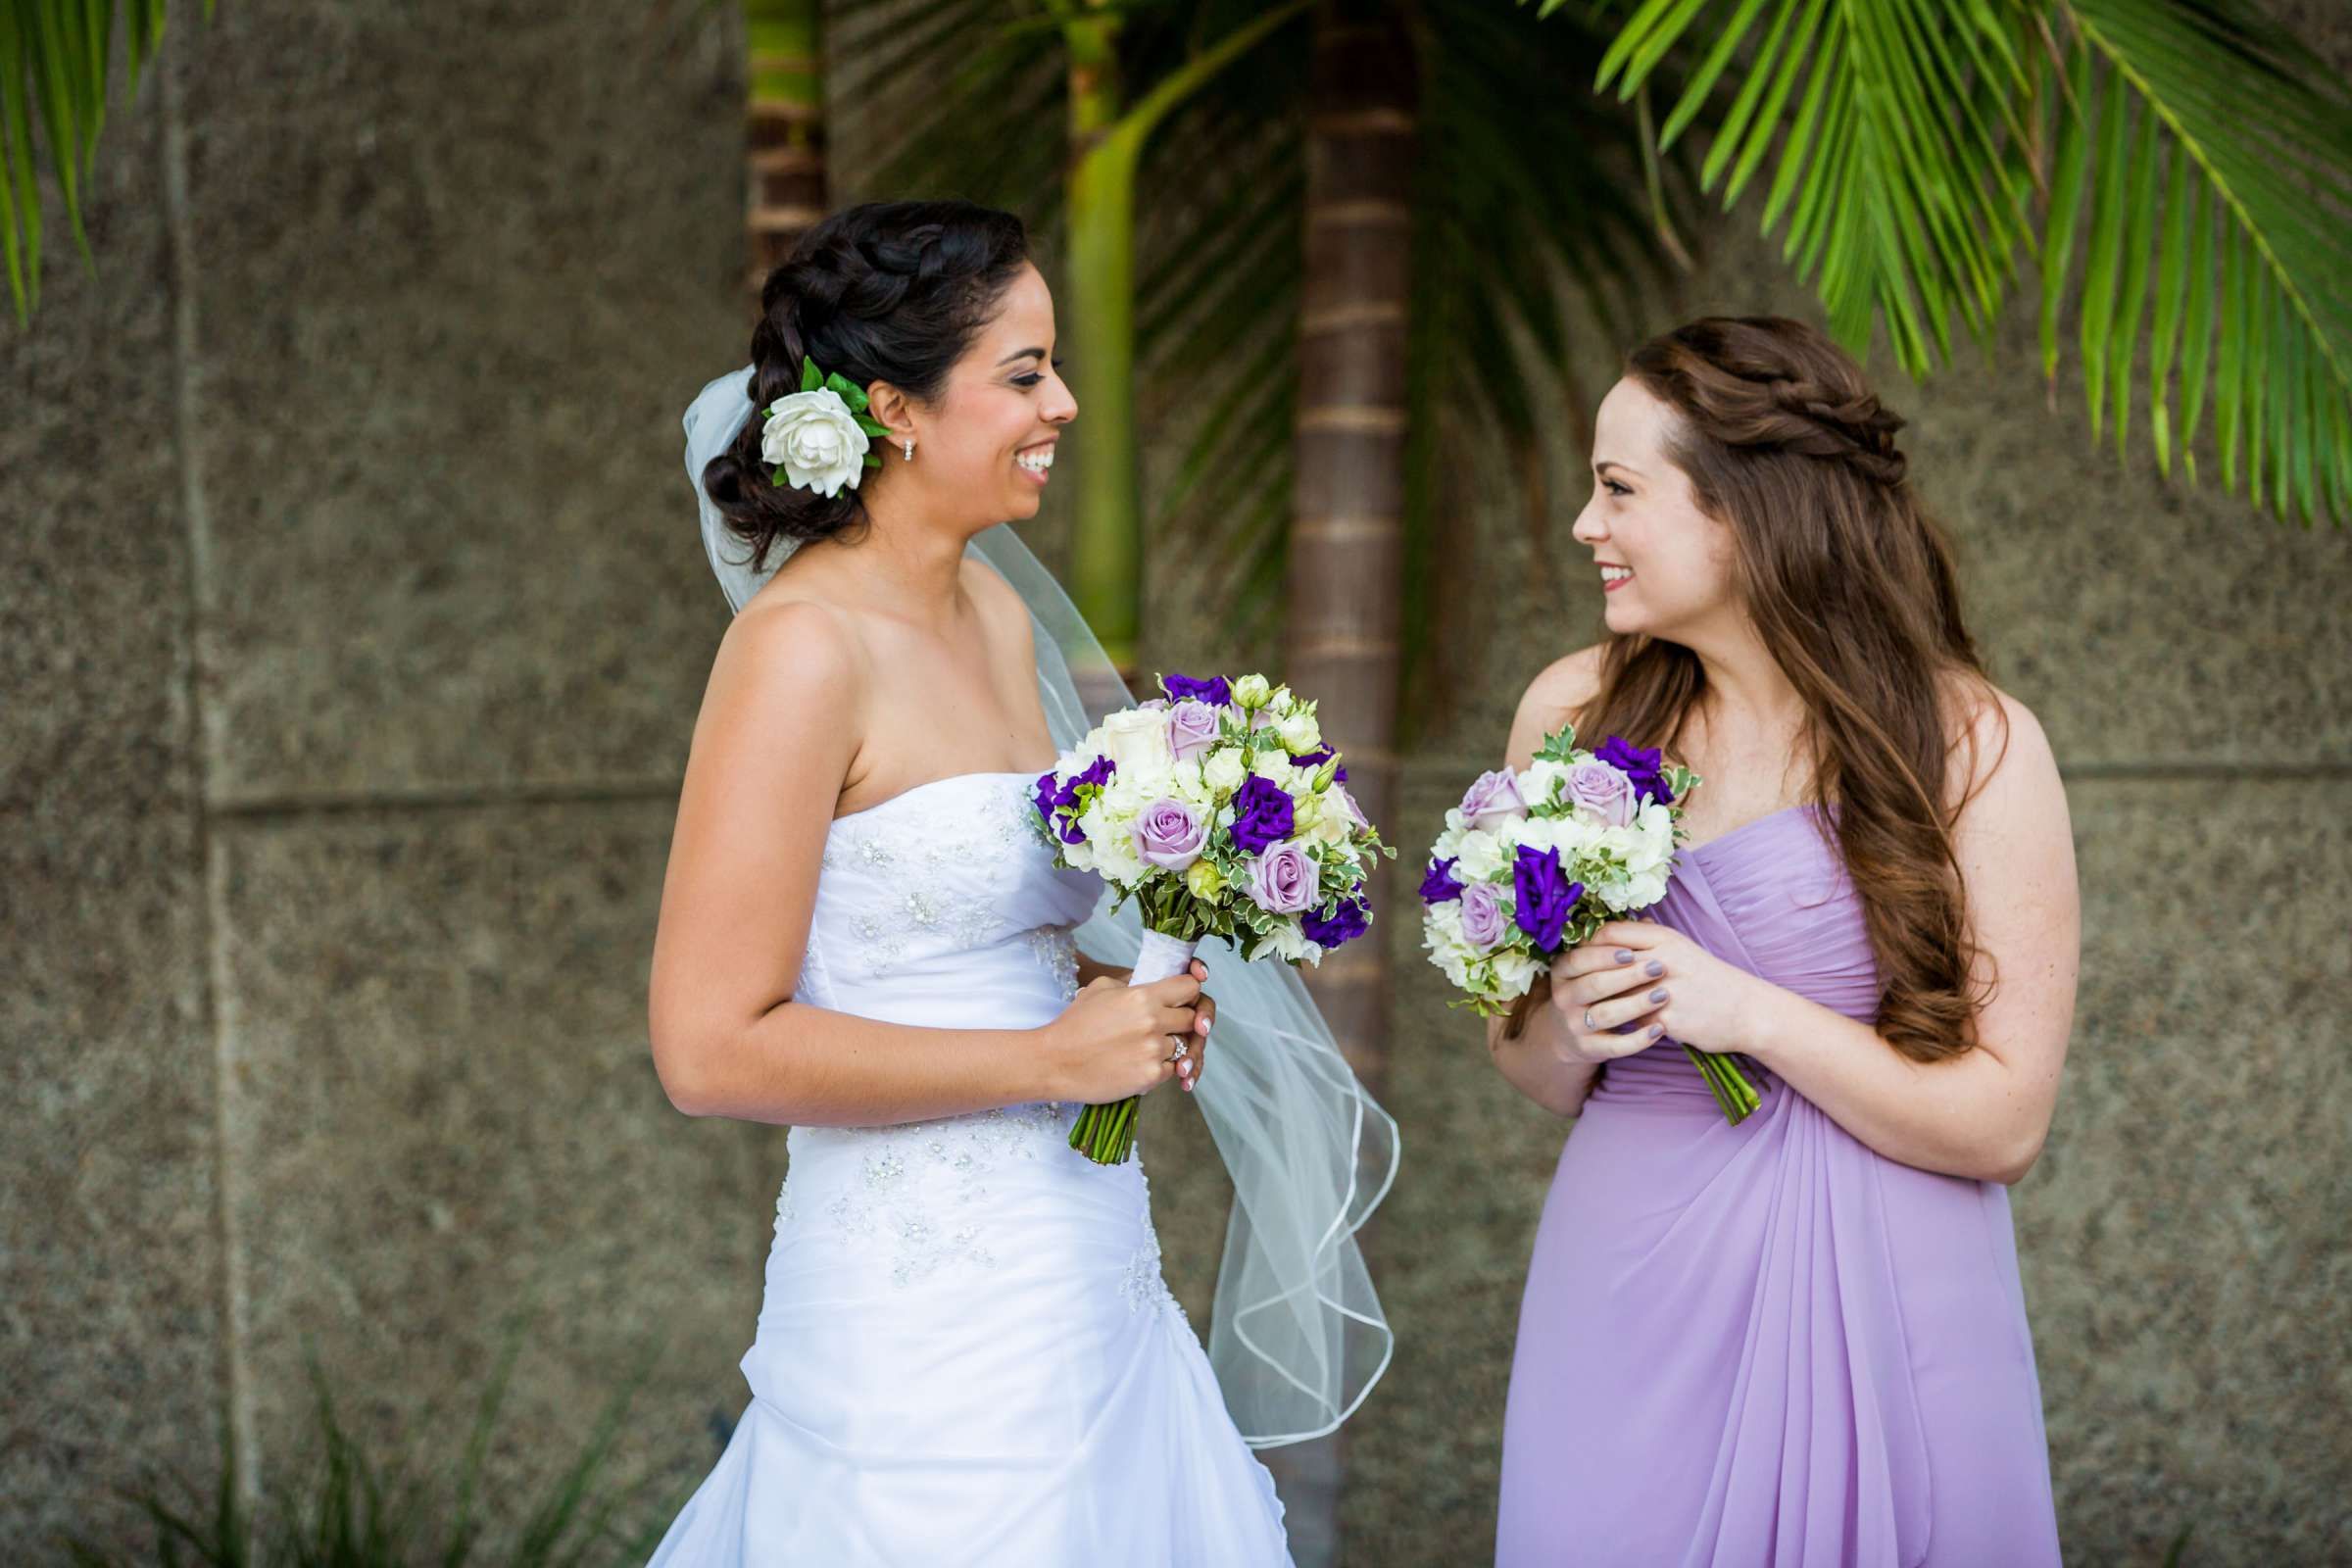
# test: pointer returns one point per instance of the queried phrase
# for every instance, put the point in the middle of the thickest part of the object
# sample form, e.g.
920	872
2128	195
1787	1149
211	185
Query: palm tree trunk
1344	588
784	130
1346	533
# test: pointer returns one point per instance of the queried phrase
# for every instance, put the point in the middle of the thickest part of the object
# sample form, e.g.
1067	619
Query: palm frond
56	56
2192	156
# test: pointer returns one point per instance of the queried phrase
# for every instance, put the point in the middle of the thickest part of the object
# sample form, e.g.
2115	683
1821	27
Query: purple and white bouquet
1533	863
1221	810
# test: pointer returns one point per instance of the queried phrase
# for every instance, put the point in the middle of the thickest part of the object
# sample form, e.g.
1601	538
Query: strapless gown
965	1353
1765	1345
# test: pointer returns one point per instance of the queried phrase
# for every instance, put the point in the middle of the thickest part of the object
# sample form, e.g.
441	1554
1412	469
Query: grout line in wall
470	797
235	1292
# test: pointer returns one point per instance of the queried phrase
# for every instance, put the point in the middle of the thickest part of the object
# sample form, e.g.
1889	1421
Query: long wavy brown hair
1851	587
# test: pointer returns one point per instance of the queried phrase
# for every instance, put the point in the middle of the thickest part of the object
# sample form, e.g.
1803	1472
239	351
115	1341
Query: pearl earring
907	447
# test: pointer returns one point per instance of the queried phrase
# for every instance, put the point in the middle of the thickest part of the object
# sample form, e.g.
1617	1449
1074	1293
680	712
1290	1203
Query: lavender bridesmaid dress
1766	1344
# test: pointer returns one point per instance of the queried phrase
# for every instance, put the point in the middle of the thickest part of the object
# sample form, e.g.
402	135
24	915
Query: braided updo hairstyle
1851	588
887	291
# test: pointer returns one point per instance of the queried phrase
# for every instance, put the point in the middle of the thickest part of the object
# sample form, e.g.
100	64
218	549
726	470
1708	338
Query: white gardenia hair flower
818	436
815	438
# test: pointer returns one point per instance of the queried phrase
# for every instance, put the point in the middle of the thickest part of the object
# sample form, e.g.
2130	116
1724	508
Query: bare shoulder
1558	695
1998	744
799	645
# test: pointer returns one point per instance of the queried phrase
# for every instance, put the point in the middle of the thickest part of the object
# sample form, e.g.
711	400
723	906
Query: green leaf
810	377
2070	110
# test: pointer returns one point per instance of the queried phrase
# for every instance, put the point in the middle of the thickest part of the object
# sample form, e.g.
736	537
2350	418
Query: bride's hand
1115	1040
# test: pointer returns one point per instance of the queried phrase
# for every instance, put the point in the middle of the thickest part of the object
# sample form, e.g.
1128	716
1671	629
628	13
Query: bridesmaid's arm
1982	1115
1539	1064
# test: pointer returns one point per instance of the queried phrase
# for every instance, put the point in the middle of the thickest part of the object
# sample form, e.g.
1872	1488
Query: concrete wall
351	628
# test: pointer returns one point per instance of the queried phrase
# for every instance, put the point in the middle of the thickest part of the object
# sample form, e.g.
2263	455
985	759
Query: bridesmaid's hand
1607	993
1691	995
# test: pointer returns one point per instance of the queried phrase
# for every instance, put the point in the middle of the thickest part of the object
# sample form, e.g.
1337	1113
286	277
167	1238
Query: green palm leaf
55	57
2195	158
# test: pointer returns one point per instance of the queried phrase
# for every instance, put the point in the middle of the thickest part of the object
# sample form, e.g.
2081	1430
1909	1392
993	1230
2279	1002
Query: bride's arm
778	734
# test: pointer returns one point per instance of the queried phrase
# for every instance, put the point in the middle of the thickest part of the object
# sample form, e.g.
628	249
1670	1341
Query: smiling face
1666	567
983	448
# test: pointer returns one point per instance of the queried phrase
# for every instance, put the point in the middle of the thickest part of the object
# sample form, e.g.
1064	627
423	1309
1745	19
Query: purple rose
1098	773
1216	691
1603	790
1317	758
1493	801
1283	880
1546	897
1483	924
1439	885
1349	919
1191	728
1169	833
1356	812
1641	766
1261	815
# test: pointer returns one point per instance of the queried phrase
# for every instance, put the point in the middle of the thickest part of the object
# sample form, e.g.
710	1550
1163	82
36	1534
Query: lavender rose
1546	897
1604	791
1438	883
1641	766
1493	801
1216	691
1170	834
1191	728
1263	815
1483	923
1349	919
1283	880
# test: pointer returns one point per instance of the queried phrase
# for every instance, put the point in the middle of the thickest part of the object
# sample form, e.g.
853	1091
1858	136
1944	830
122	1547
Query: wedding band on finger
1589	1026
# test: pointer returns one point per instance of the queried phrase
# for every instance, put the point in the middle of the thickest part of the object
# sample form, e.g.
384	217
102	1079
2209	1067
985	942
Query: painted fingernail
1206	1021
1659	994
1625	955
1657	1029
1658	966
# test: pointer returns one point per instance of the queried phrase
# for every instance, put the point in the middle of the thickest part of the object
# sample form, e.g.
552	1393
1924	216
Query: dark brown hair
1853	590
887	291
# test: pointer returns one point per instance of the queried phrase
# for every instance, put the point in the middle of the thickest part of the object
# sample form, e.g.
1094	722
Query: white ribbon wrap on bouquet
1161	957
1296	1335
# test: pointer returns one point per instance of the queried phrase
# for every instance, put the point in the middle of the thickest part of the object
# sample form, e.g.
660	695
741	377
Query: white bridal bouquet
1532	864
1218	809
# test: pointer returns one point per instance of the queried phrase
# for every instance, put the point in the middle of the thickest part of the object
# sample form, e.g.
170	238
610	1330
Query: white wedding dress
967	1353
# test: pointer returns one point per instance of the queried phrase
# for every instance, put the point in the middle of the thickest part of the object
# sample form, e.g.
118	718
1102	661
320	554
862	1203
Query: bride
966	1351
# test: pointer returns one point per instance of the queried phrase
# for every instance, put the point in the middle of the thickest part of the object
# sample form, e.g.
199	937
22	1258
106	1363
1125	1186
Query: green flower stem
1106	1134
1731	1088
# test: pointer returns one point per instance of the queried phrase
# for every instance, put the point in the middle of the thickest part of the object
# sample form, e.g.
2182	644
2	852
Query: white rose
1482	856
1288	941
1137	740
1514	972
1116	854
815	439
1252	691
1224	770
1540	780
1273	766
1299	732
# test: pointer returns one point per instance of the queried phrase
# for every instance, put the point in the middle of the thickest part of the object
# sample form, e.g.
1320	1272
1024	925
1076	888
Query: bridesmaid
1800	1340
